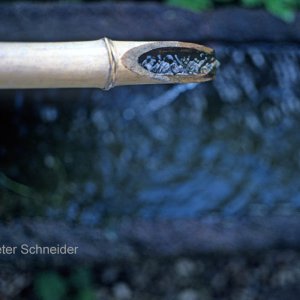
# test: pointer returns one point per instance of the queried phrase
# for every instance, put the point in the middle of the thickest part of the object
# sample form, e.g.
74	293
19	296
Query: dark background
195	199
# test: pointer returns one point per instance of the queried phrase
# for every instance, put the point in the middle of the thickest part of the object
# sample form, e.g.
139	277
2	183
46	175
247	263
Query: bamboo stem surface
100	64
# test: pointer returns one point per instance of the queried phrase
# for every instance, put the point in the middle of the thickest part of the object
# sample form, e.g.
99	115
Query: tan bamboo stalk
102	63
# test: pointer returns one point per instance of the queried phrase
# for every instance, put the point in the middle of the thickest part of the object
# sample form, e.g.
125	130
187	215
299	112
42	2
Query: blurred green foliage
51	285
285	9
192	4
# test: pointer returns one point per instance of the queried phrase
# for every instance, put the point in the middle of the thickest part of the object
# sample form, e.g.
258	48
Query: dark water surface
229	147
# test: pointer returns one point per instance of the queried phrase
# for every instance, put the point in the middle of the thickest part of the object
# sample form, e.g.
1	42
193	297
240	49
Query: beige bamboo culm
102	64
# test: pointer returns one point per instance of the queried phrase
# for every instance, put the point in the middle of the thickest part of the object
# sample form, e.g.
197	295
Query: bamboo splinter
103	63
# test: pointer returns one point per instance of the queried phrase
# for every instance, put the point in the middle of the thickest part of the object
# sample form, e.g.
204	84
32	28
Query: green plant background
285	9
51	285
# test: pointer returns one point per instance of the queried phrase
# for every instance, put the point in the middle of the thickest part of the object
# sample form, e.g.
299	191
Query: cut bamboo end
163	62
103	63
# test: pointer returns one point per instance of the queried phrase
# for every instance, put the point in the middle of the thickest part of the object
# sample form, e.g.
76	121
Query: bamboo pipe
103	63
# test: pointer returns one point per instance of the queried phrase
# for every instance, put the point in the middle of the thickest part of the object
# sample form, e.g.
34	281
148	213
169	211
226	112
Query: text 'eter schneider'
26	249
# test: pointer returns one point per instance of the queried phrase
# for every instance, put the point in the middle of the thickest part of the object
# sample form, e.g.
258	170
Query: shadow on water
227	148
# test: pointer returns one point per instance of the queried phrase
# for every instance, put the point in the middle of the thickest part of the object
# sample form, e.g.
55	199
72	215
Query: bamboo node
112	57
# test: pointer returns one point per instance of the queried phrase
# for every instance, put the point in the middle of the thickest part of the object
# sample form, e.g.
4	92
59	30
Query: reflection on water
231	147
